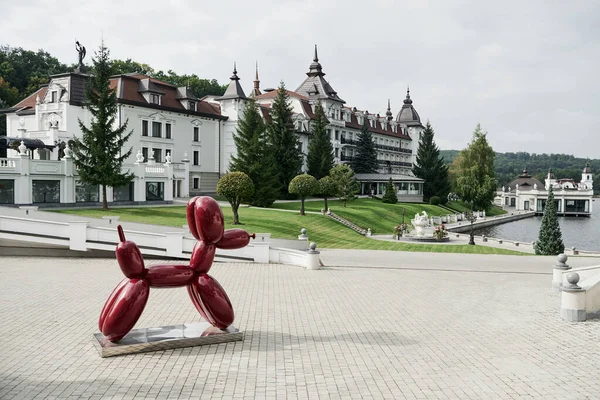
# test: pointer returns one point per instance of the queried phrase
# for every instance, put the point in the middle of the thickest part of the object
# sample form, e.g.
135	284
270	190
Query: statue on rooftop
81	52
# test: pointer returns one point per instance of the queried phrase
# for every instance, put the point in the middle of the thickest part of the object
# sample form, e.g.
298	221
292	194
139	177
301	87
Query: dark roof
234	90
272	94
407	114
587	169
11	142
315	86
377	128
525	183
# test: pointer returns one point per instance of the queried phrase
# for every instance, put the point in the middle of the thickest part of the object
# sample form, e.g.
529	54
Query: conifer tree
320	150
255	156
431	167
99	154
365	160
390	193
550	239
284	141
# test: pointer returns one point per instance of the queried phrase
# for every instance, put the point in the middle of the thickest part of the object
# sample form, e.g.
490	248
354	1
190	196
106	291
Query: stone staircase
347	223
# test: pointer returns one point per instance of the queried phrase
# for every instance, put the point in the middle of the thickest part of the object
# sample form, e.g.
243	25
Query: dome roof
408	115
587	169
525	182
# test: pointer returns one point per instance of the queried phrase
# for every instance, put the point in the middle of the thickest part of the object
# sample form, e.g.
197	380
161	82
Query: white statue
503	188
535	186
420	222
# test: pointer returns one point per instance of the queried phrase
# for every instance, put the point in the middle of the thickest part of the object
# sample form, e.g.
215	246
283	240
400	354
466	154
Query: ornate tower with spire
388	113
586	177
315	86
256	89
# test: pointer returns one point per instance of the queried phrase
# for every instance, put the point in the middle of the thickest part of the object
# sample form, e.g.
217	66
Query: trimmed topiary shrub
434	200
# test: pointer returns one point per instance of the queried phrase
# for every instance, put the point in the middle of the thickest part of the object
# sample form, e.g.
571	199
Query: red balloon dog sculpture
126	303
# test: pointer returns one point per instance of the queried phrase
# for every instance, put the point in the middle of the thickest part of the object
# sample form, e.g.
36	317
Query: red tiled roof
129	93
272	94
29	101
266	112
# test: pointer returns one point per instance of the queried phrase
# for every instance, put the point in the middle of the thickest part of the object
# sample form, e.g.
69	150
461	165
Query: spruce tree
320	150
550	238
284	141
99	154
365	161
390	193
255	157
431	167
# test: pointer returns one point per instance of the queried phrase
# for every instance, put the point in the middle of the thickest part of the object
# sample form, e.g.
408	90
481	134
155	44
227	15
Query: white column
23	189
68	187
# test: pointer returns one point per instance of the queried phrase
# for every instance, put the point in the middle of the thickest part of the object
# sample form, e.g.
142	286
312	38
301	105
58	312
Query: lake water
580	232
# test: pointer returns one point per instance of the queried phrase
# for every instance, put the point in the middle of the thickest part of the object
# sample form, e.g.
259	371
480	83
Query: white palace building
181	144
529	194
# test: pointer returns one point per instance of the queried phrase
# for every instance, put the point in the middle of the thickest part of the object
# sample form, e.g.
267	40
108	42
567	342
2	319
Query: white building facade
184	144
529	194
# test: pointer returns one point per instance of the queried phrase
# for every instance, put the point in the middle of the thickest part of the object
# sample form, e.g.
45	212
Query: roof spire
407	100
315	67
388	113
234	77
256	89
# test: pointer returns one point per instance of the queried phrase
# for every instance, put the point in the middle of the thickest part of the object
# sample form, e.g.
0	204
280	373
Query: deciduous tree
475	177
303	185
235	187
327	188
347	186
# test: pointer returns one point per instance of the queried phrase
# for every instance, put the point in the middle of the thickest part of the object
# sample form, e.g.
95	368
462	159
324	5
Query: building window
168	131
196	156
154	98
156	129
167	153
53	95
157	153
123	193
337	152
45	191
144	128
145	153
7	191
196	183
196	134
155	191
337	135
192	105
85	193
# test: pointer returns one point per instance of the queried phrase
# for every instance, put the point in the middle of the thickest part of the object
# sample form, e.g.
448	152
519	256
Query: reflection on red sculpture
126	303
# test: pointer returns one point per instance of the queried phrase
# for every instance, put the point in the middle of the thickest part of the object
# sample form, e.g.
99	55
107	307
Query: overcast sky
528	71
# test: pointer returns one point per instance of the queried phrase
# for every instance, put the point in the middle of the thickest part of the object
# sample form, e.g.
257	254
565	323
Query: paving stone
409	330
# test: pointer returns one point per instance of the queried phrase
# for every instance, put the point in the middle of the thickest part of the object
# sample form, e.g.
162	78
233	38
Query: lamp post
472	219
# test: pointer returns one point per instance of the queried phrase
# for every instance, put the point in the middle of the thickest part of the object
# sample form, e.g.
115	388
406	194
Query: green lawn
322	230
369	213
459	206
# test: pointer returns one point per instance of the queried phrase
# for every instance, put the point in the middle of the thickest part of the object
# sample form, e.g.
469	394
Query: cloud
525	70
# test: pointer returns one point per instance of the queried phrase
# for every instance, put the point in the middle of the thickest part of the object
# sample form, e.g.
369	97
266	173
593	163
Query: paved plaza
369	325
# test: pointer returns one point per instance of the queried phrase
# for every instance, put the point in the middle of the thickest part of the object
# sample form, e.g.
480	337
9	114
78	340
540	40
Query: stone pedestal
165	338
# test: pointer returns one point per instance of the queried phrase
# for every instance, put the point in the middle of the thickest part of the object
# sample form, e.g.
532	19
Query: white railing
7	163
155	170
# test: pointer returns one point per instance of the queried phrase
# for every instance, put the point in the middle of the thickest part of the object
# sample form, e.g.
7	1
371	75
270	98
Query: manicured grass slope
369	213
325	232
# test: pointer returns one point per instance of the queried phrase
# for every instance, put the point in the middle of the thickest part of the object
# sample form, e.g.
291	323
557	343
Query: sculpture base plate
165	338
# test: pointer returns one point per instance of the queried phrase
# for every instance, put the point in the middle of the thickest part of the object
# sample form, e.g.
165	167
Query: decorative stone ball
573	278
312	246
562	258
303	231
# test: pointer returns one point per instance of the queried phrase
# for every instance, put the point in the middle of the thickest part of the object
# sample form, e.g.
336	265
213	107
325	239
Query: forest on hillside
22	72
510	165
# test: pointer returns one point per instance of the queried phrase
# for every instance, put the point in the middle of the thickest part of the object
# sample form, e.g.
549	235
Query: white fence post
174	244
78	235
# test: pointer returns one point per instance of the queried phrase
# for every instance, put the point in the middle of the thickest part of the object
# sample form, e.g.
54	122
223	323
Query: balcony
344	157
396	163
393	148
352	142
